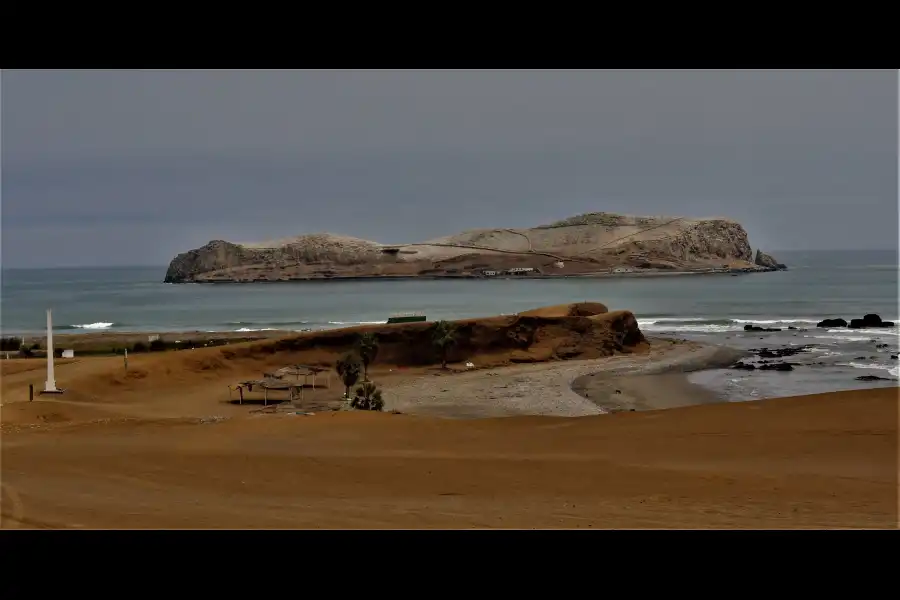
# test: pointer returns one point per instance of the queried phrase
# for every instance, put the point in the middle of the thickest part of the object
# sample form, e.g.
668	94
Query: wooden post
265	396
126	359
31	392
241	392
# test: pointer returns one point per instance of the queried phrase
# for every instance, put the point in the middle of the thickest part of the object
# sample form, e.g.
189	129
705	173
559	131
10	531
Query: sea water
708	308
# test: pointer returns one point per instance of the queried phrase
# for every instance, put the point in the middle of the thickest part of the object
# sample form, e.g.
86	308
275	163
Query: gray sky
132	167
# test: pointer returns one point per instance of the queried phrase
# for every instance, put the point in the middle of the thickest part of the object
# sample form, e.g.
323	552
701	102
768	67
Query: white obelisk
50	384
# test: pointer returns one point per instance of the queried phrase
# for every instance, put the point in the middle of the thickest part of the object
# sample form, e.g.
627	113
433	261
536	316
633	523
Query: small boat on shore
406	318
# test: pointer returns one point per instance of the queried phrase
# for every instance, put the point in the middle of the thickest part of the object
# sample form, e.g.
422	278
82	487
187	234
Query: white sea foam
892	370
261	329
787	320
840	338
826	352
720	324
99	325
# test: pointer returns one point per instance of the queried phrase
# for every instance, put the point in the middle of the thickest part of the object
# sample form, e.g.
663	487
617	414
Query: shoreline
658	386
598	275
555	388
114	342
638	382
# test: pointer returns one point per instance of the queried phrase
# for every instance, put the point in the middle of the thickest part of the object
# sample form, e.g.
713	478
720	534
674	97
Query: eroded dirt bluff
573	331
584	244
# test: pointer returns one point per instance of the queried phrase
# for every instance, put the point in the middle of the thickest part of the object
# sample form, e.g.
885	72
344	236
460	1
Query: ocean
709	308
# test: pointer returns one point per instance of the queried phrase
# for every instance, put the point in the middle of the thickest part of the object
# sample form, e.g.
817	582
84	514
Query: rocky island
592	244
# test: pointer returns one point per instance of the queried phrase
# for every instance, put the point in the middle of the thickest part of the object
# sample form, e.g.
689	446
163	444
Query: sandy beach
548	444
568	389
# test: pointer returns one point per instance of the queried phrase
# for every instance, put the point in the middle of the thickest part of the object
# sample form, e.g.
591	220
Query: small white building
489	273
520	270
68	354
621	270
559	264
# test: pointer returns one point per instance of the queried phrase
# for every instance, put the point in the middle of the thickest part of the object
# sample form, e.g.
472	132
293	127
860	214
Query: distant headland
588	245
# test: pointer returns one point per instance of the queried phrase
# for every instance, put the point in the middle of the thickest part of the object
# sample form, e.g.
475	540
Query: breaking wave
719	325
892	370
97	325
723	325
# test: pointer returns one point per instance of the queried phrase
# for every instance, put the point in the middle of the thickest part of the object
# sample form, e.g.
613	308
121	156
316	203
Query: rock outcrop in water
589	244
828	323
766	261
870	320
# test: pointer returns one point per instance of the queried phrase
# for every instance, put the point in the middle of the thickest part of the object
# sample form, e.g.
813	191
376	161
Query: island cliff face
589	244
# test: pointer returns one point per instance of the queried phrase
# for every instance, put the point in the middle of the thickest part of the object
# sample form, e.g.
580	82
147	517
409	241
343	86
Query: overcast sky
132	167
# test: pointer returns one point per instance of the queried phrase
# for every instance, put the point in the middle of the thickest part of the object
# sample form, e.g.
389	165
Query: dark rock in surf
757	328
872	378
869	320
743	366
894	356
782	366
780	352
832	323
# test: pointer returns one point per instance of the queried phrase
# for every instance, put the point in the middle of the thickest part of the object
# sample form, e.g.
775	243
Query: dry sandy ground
809	462
142	451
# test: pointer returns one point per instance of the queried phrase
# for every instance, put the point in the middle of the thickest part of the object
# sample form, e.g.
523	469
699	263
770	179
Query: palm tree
444	336
368	397
367	346
348	370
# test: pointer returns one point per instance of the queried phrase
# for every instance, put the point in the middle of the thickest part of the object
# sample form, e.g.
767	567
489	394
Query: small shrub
139	347
157	346
368	397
